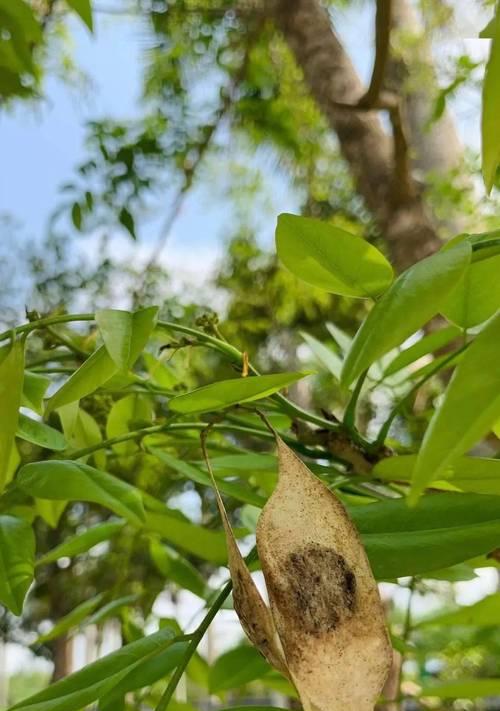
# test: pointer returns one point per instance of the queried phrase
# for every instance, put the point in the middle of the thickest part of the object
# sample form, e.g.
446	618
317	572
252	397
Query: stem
406	633
193	645
350	412
48	321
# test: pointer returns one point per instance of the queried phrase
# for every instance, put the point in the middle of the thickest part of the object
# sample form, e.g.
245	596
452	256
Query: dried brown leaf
324	600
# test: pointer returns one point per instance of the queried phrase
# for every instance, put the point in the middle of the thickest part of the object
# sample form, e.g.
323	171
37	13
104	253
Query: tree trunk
367	148
62	649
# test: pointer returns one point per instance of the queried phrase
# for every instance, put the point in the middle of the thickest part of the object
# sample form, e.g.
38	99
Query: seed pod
324	600
254	615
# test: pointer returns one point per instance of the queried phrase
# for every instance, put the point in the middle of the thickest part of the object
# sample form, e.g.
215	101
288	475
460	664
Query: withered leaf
324	600
254	615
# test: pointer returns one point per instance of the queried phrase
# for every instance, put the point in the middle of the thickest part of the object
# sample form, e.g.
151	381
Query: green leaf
94	372
73	481
111	608
127	220
129	413
50	511
463	689
201	542
126	333
76	215
485	613
17	561
82	431
237	667
475	474
476	296
82	8
40	434
231	488
11	387
85	686
428	344
82	542
490	122
414	298
148	672
441	531
72	619
470	408
231	392
34	389
178	570
326	356
330	258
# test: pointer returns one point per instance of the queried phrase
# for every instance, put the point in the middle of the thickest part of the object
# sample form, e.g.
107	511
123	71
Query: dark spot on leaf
319	589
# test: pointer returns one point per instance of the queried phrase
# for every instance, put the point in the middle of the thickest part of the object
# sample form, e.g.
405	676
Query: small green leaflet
82	542
128	413
11	387
441	531
94	372
326	356
331	258
73	481
82	8
225	393
50	511
476	474
85	686
72	619
126	333
81	431
413	299
201	542
485	613
41	434
177	570
237	667
490	122
17	561
34	389
470	408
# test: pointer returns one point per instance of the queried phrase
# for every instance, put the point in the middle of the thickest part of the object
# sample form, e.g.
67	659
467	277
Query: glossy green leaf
40	434
463	689
94	372
17	561
85	686
72	620
470	408
82	542
202	542
415	297
11	387
231	392
237	667
73	481
331	258
128	413
475	474
111	609
125	333
231	488
177	570
83	8
490	121
326	356
50	511
82	431
476	296
34	389
485	613
126	219
428	344
441	531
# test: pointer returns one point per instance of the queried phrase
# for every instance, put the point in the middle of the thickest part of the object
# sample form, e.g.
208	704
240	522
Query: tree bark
369	151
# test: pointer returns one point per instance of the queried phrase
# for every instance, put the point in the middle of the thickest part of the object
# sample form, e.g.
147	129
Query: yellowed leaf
324	600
